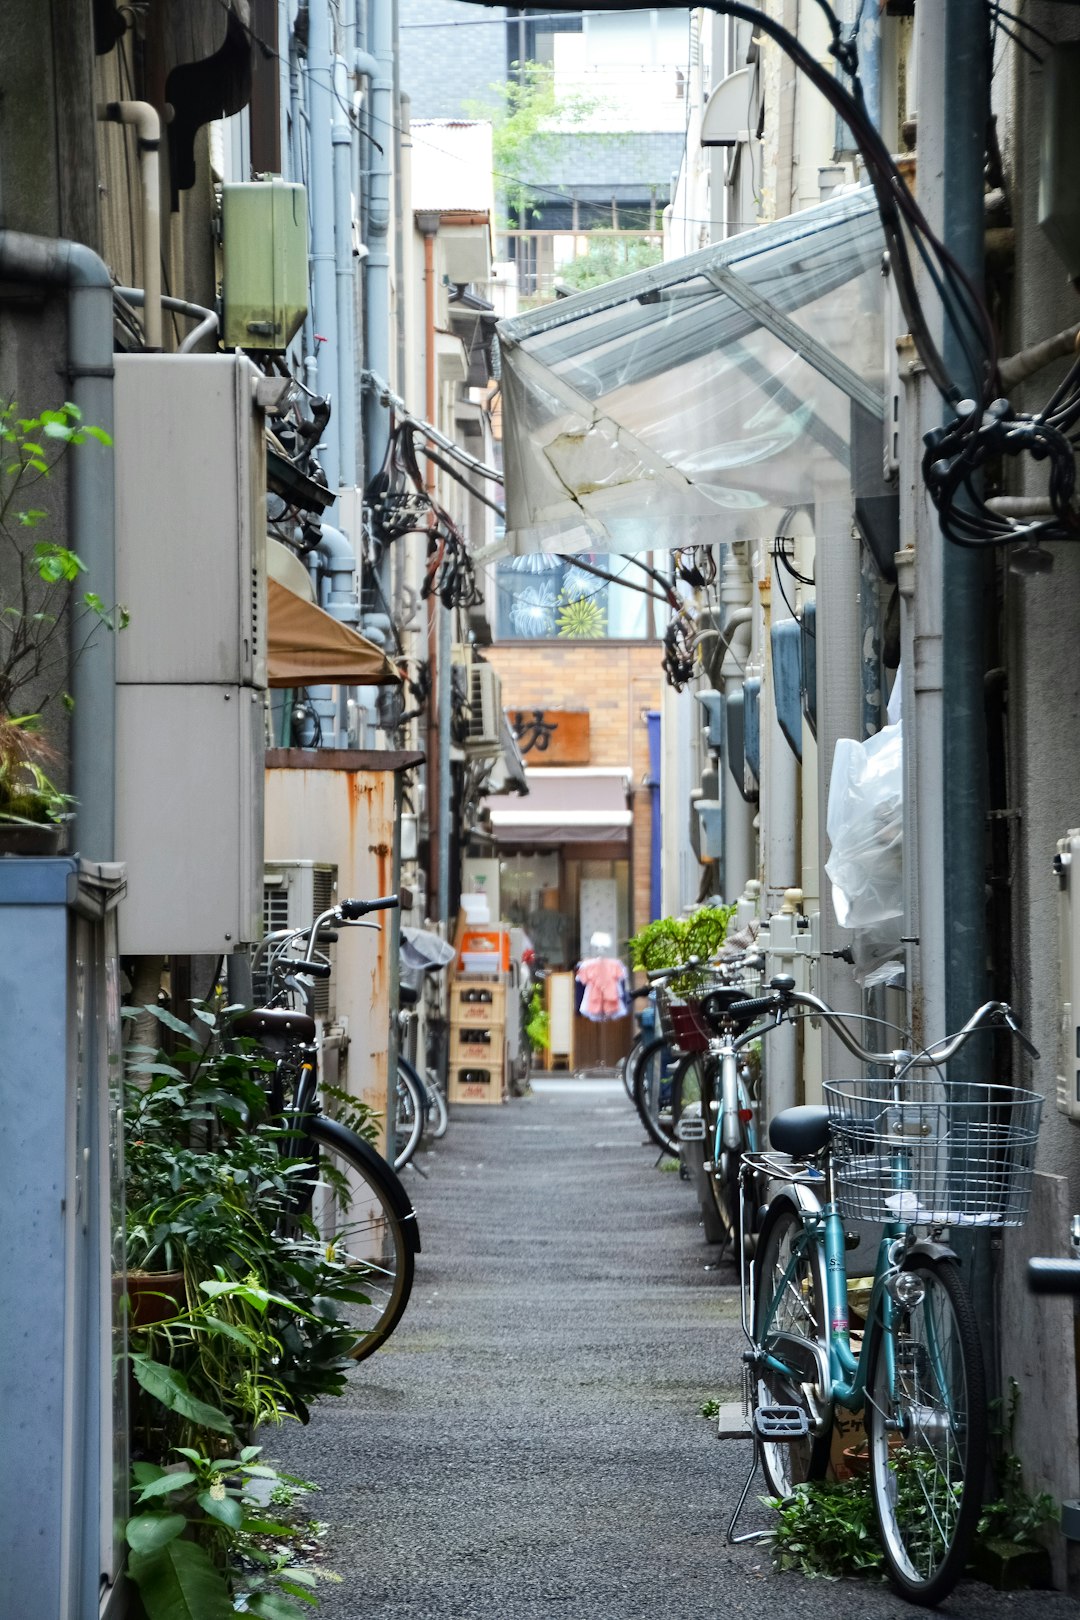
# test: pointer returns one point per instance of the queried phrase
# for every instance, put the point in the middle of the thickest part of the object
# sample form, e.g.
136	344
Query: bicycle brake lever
1029	1046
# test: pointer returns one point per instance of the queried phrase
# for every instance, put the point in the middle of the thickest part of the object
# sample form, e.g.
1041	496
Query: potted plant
39	600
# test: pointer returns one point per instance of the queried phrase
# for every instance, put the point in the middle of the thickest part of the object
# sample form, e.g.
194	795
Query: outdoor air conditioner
1067	867
482	735
294	894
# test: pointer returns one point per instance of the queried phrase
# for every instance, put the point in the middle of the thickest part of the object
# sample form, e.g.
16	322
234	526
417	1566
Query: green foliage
827	1530
538	1023
36	608
1013	1517
608	257
710	1408
202	1544
670	941
527	118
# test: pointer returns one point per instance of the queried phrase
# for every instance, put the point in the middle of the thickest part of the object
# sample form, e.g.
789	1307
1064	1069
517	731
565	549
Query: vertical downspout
85	278
341	140
143	118
320	102
377	265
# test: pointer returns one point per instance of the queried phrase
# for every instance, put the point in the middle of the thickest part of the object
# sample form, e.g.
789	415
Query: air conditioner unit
1067	867
294	894
483	735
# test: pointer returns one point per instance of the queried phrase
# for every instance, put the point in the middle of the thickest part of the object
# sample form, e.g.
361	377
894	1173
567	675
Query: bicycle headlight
907	1289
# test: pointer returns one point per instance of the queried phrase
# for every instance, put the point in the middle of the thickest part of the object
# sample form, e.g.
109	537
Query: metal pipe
78	271
318	79
387	396
341	140
208	321
377	313
143	118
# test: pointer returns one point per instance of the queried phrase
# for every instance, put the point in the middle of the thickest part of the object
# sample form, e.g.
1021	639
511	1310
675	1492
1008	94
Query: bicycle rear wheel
789	1299
652	1095
926	1427
378	1239
410	1106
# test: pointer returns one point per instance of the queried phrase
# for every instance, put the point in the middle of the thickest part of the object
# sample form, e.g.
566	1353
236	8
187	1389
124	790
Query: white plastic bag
865	828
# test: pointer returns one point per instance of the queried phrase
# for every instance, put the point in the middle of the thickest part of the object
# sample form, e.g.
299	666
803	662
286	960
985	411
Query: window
543	597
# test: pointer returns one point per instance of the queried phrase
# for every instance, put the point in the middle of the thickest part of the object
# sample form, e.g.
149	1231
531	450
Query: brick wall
616	682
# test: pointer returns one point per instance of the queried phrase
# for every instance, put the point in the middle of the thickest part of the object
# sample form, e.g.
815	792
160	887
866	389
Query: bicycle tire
648	1097
410	1106
927	1441
382	1245
628	1064
792	1301
438	1114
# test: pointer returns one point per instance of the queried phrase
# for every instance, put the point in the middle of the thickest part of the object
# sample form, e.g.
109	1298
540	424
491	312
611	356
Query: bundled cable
396	497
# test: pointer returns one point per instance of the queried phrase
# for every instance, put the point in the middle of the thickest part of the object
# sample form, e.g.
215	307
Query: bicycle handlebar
1054	1276
353	910
785	997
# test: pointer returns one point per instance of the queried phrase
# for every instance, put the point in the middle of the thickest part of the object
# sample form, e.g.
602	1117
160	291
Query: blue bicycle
916	1156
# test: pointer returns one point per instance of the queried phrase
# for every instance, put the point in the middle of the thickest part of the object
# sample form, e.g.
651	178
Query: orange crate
477	1003
476	1083
484	950
481	1044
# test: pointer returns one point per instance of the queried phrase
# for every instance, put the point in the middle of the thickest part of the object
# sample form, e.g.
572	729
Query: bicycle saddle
261	1021
800	1131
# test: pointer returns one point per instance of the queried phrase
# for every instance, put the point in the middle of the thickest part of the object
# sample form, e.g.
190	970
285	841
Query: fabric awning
306	647
569	806
700	399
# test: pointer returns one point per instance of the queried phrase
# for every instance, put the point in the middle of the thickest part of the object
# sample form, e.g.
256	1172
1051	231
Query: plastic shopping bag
865	828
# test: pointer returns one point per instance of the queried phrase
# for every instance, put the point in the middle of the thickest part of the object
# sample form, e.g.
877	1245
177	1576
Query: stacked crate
477	1040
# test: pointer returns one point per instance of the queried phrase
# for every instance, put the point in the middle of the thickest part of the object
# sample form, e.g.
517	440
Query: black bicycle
349	1190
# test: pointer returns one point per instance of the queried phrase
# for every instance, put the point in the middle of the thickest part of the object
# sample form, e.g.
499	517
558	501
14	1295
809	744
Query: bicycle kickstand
783	1423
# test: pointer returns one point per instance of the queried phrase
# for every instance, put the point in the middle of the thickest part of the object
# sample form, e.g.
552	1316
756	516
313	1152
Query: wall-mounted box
189	817
190	520
264	233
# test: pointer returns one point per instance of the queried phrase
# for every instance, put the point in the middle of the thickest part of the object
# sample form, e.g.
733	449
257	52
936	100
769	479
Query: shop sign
552	736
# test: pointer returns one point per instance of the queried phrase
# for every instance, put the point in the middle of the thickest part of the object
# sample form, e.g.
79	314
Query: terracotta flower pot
153	1296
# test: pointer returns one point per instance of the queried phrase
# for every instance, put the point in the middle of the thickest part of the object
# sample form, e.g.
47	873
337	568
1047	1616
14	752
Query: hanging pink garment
603	978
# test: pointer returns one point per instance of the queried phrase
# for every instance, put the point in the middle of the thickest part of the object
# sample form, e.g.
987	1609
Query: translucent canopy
696	401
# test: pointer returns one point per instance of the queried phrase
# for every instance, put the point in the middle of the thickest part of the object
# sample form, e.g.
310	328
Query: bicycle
915	1157
382	1242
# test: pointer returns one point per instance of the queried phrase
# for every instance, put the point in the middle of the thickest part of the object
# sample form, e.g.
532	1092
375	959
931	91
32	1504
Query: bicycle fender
931	1249
395	1192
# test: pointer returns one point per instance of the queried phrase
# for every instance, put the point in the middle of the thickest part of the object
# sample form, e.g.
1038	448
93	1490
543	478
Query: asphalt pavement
529	1443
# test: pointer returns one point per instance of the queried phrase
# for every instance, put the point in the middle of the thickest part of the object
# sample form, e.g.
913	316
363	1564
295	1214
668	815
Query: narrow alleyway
530	1443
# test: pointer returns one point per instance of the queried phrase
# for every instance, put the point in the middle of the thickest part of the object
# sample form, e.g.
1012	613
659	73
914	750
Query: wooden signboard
551	736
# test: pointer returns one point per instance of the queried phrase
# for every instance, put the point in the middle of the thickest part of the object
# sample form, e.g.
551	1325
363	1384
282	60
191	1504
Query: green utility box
265	238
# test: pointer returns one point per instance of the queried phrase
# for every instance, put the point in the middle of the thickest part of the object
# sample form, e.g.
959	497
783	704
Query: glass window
543	597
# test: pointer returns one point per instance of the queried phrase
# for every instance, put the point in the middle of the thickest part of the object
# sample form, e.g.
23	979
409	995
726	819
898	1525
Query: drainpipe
739	862
73	268
332	566
144	120
320	103
341	138
378	65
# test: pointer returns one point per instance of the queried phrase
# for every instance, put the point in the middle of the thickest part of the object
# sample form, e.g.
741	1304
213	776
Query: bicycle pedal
690	1128
778	1423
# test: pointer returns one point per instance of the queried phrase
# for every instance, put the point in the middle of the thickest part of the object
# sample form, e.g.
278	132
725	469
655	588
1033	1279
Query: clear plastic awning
699	400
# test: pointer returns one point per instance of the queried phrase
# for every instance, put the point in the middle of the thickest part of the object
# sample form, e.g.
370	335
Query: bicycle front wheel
652	1095
789	1305
377	1237
926	1428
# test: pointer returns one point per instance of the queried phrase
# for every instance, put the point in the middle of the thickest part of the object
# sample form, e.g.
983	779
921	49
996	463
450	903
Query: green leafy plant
826	1529
202	1544
670	941
528	116
36	606
1014	1518
538	1023
710	1408
608	256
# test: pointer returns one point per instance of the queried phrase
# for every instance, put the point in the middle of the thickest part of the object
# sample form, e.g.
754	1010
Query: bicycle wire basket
930	1153
680	1024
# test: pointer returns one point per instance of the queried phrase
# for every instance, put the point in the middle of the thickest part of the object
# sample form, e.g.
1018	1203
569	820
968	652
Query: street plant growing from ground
46	621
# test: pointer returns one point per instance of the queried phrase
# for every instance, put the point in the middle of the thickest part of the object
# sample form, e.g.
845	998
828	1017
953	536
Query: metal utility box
63	1423
294	894
189	817
190	520
264	231
1067	867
